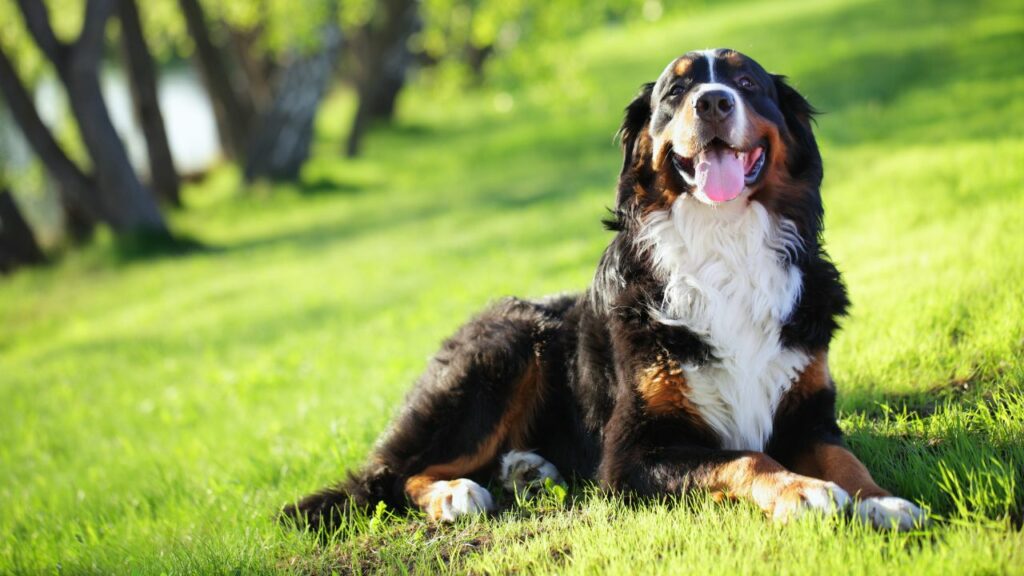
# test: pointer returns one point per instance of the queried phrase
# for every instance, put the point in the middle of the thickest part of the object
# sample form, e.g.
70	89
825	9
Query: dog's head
718	127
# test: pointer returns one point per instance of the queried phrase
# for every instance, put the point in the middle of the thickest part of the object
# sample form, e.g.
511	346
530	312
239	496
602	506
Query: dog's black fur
584	353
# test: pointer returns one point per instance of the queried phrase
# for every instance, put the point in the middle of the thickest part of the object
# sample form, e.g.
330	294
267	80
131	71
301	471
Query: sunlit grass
156	413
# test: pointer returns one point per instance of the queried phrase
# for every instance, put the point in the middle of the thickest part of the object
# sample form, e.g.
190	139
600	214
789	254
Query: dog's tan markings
682	124
814	378
639	191
663	192
510	431
837	464
642	148
447	500
663	195
777	188
418	489
682	66
778	492
828	462
662	386
737	478
733	58
761	127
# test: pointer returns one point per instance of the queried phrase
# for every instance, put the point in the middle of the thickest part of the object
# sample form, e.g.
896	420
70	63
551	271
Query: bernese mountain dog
698	358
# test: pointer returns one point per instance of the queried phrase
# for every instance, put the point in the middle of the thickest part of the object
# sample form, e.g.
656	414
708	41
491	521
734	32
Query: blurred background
113	107
231	232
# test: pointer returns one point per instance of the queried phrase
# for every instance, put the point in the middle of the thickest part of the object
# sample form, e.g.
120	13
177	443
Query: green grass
156	413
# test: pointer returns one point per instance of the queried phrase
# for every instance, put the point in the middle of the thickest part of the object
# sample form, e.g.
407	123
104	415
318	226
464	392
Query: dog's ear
799	116
634	124
633	134
803	161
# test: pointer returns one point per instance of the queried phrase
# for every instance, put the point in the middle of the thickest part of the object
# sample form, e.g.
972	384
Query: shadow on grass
327	186
487	201
344	229
131	247
413	129
955	448
250	330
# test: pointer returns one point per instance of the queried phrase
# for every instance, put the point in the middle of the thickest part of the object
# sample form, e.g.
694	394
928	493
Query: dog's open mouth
720	171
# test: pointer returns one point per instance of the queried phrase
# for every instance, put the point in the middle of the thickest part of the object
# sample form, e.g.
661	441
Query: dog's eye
675	90
746	83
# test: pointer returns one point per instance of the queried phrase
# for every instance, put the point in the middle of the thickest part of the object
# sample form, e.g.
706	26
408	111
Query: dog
697	359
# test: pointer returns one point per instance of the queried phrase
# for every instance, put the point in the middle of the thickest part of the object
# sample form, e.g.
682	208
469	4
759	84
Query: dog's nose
714	105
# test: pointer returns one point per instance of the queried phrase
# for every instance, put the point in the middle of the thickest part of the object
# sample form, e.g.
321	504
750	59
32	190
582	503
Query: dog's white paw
524	473
810	497
450	499
890	512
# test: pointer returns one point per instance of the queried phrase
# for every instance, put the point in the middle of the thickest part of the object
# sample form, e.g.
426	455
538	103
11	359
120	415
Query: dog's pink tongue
719	174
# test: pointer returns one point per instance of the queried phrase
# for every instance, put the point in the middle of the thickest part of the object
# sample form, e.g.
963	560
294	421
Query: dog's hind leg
476	400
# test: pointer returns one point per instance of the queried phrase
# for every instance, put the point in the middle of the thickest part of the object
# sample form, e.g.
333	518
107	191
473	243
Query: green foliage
983	491
164	29
17	44
556	490
157	413
284	24
452	27
66	19
452	24
277	25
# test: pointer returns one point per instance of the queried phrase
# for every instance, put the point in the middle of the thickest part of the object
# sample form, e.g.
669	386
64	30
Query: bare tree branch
37	21
18	246
89	46
145	96
73	183
233	108
120	197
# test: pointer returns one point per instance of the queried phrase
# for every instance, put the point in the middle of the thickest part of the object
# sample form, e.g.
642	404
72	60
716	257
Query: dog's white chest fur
728	281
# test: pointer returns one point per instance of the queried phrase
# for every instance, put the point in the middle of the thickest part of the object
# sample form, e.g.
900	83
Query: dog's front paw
890	512
461	497
806	495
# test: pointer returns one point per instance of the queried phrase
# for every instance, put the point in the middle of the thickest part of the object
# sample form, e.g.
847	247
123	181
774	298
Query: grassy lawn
156	413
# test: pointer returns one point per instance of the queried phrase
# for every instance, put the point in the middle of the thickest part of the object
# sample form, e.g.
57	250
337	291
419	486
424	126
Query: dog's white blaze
709	55
728	281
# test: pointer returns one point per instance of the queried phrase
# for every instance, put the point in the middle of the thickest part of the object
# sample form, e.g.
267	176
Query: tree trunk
232	107
128	205
125	204
259	69
383	55
78	226
163	175
78	193
18	246
281	143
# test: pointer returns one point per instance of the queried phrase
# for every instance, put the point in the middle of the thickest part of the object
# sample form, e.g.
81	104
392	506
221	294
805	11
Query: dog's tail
325	510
